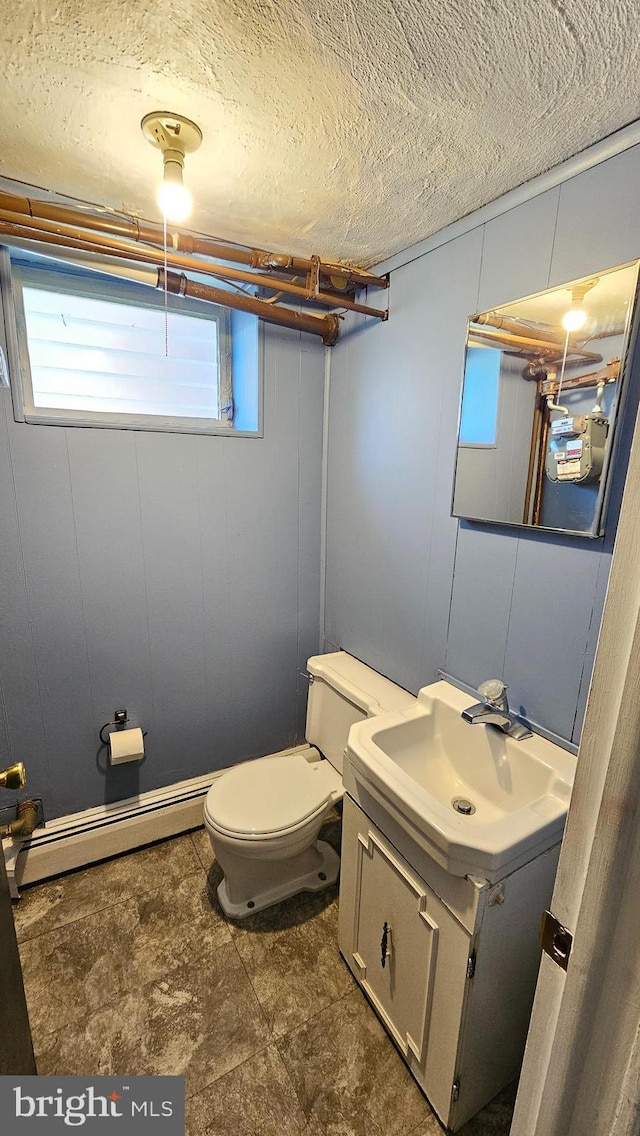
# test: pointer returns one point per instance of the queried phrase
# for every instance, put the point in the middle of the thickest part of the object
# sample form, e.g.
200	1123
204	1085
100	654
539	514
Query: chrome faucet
494	710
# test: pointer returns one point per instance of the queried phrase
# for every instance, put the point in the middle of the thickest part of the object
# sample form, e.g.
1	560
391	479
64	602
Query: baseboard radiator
96	834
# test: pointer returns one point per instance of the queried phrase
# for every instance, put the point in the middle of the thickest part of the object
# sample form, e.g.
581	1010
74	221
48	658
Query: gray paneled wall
179	575
409	589
176	575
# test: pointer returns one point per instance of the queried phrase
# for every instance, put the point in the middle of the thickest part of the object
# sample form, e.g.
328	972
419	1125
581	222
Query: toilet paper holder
120	720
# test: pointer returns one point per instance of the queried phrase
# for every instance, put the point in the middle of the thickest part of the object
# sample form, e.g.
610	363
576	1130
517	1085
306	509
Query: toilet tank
343	691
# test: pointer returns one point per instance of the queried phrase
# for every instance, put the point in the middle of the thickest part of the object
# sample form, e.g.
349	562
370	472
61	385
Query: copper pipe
179	260
504	323
326	326
544	439
135	230
534	458
521	342
608	374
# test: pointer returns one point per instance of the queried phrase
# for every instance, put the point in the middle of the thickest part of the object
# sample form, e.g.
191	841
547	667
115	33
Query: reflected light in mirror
574	319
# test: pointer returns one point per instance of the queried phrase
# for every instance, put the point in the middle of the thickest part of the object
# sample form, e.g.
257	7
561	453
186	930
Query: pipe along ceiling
66	230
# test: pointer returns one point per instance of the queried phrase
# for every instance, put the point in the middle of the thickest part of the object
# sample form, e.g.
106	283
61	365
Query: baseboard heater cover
96	834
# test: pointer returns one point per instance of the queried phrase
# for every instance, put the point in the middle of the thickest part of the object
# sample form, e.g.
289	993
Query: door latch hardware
555	940
471	965
385	945
455	1090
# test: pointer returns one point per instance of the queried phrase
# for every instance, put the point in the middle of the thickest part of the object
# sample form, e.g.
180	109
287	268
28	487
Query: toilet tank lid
371	691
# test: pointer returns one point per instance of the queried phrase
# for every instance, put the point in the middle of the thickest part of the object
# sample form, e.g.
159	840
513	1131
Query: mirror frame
596	530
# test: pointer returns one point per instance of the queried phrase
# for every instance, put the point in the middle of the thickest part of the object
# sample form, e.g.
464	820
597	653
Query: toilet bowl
263	817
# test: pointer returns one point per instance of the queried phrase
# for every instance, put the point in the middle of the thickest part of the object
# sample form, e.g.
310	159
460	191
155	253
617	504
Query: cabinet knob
385	944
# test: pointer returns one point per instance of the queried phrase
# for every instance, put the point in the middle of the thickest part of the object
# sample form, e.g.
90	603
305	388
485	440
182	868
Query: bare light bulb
574	319
174	198
175	136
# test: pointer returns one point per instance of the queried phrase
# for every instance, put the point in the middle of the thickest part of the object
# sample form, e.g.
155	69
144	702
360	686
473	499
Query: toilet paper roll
126	745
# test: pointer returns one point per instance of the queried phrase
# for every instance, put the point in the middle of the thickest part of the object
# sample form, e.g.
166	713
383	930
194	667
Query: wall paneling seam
144	577
80	587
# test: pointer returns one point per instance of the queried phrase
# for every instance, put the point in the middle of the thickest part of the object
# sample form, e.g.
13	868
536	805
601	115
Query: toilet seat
271	798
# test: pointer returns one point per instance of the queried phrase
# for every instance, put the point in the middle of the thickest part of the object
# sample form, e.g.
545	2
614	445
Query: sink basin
478	801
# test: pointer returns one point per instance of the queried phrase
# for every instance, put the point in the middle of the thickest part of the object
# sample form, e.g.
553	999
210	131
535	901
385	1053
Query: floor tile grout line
155	982
292	1082
71	922
120	997
253	991
124	992
203	1088
195	848
442	1131
315	1014
303	1021
239	938
355	990
271	1044
337	1109
408	1131
77	1022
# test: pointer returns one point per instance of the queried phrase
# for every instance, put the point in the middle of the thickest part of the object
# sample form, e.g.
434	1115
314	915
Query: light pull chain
564	363
553	400
166	290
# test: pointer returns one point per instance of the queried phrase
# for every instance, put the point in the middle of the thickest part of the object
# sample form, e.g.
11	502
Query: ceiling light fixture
575	318
175	136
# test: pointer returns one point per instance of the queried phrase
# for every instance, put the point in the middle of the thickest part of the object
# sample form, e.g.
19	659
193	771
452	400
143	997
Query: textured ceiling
329	127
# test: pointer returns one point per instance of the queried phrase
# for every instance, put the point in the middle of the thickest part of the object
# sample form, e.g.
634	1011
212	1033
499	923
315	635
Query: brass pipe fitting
25	822
15	777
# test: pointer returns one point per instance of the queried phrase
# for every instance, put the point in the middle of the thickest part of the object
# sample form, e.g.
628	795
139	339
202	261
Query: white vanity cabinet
449	963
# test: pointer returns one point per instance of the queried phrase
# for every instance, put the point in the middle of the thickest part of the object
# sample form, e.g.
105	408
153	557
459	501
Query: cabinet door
395	941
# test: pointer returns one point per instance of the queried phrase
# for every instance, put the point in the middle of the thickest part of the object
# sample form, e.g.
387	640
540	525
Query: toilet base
323	875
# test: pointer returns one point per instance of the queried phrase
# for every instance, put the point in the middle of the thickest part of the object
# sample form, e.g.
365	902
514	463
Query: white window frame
12	277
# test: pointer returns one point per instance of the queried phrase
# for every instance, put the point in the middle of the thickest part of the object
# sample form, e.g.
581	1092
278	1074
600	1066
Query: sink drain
462	805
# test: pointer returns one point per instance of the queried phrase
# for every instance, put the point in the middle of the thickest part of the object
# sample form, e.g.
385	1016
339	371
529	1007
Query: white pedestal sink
420	763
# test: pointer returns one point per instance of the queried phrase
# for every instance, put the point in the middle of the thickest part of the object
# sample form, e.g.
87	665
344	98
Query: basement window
98	351
480	397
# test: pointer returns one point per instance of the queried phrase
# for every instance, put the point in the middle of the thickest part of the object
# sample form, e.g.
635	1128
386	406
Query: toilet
263	817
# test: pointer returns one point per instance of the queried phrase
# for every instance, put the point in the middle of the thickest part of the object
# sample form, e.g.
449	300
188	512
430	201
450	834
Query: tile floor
130	967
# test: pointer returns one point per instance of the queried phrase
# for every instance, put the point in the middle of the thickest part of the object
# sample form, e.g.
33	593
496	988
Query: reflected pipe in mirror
541	393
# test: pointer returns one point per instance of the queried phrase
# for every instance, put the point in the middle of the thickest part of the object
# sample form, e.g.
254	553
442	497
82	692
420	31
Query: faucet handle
492	690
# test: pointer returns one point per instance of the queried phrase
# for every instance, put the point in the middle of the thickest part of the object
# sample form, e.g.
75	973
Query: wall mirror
540	394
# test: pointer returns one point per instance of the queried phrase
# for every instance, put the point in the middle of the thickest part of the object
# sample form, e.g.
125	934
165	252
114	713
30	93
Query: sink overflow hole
462	805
